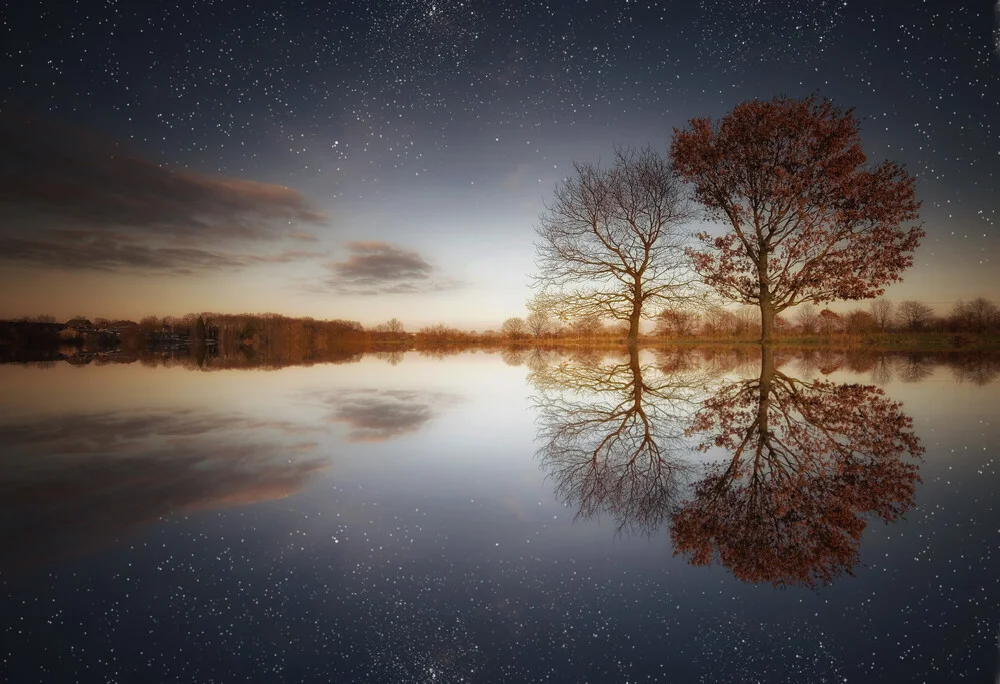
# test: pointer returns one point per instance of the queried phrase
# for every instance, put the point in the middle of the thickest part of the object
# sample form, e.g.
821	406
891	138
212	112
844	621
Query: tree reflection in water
809	463
612	436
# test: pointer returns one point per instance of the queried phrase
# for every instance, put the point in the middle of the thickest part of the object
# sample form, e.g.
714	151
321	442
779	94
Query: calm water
511	517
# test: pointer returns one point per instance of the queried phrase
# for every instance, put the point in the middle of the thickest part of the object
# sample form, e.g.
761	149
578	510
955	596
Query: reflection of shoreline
882	367
70	486
241	358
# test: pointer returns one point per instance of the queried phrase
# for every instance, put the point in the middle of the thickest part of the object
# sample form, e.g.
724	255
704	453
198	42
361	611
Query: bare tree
394	326
611	240
676	323
514	328
808	319
539	324
979	315
586	326
914	315
859	322
717	320
882	311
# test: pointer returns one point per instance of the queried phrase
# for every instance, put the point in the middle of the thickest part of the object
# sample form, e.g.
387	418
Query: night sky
365	160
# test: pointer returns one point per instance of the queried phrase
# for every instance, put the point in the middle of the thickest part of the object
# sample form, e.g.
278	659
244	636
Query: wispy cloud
374	267
72	199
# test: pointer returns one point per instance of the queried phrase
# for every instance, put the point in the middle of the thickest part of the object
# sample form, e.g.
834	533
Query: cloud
374	267
72	199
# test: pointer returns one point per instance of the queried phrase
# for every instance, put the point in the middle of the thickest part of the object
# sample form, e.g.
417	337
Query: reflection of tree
393	357
611	433
808	463
915	367
977	368
514	355
882	372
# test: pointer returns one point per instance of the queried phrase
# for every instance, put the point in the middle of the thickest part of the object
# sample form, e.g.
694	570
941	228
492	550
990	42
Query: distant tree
514	328
394	326
676	323
979	315
148	324
538	323
745	322
611	242
859	322
716	321
914	315
882	311
807	219
586	326
807	319
830	322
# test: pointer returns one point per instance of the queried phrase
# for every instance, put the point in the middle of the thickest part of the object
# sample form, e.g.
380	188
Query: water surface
516	516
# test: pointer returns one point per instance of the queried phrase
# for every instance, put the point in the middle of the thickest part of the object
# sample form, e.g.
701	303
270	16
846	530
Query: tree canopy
807	218
611	241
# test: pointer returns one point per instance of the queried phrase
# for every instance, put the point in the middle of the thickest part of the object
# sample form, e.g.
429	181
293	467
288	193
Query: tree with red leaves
808	219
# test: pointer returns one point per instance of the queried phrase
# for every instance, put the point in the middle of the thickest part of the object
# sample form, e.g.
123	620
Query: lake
508	516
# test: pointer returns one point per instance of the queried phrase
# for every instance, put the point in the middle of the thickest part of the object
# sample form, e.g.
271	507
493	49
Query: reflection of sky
441	550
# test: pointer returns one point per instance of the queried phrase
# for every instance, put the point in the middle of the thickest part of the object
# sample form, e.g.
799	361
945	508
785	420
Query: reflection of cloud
374	416
75	200
82	480
109	433
381	268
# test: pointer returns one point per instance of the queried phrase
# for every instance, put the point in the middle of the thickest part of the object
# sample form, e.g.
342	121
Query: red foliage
811	462
808	219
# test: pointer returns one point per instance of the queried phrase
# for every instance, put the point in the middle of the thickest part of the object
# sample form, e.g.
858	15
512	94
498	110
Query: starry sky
365	160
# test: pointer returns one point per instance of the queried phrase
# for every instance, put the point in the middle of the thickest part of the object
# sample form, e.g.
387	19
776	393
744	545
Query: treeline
260	339
979	316
281	340
701	321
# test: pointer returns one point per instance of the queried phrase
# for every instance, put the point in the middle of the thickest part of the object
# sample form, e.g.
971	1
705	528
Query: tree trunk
766	305
634	317
766	322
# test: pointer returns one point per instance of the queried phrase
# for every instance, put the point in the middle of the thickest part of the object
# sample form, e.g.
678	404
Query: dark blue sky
419	139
